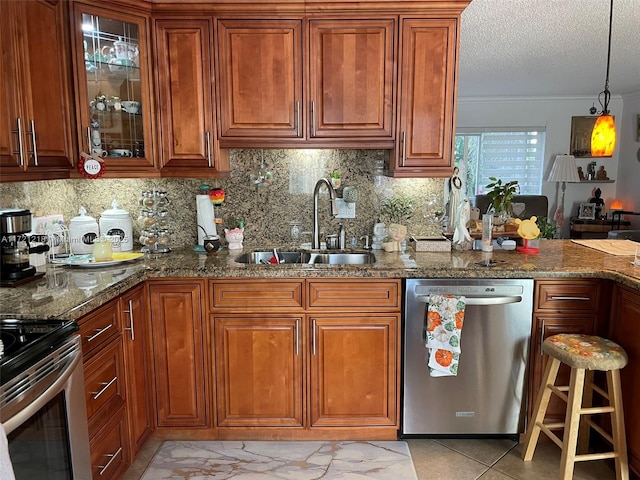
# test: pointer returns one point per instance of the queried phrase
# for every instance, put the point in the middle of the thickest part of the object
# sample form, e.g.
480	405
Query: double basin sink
267	257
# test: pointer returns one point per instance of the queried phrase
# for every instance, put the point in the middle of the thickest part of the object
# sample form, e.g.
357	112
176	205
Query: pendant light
603	136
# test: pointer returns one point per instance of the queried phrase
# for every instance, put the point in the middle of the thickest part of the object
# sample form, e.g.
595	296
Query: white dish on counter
87	261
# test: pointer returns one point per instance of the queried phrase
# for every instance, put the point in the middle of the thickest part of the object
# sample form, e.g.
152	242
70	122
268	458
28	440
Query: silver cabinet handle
20	151
99	332
404	148
130	312
298	118
34	150
89	145
207	137
542	338
112	457
313	336
297	335
582	299
313	118
95	395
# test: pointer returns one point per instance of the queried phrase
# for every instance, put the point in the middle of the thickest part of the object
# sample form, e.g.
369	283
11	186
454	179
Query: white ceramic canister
116	221
83	230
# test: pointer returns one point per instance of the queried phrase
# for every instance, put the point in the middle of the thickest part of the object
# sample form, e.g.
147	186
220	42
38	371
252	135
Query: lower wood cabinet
105	391
354	370
178	353
321	361
109	448
104	384
624	329
118	380
258	368
560	306
133	308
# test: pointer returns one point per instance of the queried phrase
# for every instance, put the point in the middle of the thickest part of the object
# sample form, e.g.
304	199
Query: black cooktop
26	341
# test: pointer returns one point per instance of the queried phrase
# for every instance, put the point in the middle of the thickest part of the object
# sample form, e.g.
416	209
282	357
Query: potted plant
501	195
235	235
548	229
388	244
336	181
397	210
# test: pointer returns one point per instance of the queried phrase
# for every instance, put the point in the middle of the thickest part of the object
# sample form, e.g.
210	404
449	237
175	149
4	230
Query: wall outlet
345	210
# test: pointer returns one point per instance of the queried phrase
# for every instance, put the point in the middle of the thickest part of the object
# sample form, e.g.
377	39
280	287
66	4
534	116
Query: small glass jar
102	251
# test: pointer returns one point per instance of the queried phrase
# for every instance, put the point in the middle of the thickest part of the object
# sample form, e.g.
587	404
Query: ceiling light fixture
603	136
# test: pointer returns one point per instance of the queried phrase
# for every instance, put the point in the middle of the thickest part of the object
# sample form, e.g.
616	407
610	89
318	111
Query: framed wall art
587	211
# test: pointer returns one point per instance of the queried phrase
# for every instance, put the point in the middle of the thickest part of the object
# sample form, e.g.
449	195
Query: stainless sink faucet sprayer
333	207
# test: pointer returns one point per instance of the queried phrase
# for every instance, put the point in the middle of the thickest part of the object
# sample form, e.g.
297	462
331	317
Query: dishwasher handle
480	300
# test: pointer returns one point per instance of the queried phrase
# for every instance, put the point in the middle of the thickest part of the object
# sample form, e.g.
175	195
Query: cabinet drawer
109	449
104	381
99	327
567	296
354	293
256	294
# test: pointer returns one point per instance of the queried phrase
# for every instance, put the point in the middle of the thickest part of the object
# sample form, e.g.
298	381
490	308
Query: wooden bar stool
583	353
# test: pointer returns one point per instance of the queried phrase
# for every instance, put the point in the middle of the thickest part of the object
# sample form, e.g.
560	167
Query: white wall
553	113
628	184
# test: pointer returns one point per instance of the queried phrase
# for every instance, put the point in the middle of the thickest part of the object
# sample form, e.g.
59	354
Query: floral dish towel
445	317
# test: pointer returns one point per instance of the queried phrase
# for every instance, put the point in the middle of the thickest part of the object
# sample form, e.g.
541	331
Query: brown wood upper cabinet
35	91
260	78
263	82
351	72
427	76
187	113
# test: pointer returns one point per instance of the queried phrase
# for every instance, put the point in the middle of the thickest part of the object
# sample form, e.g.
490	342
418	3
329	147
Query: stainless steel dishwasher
487	397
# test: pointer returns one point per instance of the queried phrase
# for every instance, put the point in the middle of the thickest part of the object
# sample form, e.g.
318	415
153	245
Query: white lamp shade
564	169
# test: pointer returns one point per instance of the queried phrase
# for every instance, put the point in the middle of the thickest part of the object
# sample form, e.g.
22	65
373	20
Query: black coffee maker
15	225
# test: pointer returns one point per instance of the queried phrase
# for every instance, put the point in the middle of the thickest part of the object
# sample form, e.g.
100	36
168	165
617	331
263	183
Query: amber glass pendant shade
603	136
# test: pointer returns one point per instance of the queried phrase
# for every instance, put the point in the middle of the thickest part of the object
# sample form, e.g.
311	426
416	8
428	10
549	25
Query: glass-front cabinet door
114	110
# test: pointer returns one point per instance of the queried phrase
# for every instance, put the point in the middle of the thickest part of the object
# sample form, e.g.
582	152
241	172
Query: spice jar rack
154	221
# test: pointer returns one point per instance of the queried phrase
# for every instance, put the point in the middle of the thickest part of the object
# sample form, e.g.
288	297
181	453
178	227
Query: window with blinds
504	154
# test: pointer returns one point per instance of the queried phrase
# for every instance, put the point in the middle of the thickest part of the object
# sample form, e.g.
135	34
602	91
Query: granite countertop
70	292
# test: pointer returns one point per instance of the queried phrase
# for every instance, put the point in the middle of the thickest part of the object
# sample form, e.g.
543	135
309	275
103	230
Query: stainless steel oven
42	400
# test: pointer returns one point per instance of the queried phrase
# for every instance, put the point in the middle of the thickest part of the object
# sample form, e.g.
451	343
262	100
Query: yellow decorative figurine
528	229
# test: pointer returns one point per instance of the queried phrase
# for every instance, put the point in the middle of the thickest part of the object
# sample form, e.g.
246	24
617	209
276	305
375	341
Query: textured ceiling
548	47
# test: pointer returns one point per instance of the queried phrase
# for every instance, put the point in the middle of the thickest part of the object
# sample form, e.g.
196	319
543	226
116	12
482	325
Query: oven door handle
42	399
479	300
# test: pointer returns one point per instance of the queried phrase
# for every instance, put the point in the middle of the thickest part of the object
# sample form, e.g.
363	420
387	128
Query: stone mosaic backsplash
266	210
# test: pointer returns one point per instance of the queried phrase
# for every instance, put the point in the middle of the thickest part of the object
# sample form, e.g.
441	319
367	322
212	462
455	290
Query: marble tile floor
271	460
452	459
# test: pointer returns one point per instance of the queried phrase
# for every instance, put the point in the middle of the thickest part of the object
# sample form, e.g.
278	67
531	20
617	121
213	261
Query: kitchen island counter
71	292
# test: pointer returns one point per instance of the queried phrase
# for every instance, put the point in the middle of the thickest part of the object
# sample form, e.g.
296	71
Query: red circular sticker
90	167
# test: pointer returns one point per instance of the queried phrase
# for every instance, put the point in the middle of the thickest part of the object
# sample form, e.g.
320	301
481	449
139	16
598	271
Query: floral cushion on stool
585	351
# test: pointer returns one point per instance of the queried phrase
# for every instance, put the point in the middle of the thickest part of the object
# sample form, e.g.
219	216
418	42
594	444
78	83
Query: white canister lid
82	218
115	211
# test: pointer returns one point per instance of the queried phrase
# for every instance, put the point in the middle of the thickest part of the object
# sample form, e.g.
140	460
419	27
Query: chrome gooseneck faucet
333	206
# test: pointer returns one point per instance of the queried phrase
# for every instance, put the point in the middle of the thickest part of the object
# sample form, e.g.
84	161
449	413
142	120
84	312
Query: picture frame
581	128
638	128
587	211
